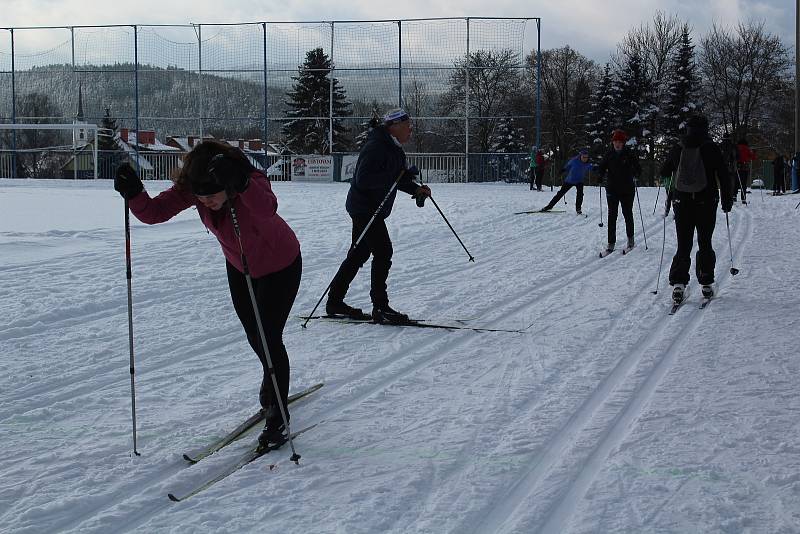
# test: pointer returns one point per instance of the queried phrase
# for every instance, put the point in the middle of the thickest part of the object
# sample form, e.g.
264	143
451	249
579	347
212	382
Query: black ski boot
338	308
678	293
274	434
382	313
707	290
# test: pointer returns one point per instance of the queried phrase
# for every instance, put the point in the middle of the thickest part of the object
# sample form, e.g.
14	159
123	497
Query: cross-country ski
243	429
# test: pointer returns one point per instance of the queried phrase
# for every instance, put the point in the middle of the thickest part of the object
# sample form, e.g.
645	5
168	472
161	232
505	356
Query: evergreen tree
105	138
682	90
635	106
508	138
367	125
603	115
311	97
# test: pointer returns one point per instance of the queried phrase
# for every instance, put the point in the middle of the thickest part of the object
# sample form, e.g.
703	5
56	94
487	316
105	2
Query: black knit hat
697	121
205	187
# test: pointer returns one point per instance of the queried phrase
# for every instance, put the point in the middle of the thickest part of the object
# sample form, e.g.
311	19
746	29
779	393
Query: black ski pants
694	214
614	203
779	182
563	191
536	174
375	242
275	294
740	182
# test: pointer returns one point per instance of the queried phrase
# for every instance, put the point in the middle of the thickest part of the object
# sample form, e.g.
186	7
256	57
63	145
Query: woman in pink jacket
214	177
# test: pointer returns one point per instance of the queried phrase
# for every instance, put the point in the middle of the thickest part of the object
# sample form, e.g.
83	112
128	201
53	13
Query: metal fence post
466	109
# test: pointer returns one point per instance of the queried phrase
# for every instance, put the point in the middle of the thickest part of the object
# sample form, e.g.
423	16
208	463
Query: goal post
75	128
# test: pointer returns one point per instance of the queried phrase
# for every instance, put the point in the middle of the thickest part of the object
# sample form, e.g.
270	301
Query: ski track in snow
530	429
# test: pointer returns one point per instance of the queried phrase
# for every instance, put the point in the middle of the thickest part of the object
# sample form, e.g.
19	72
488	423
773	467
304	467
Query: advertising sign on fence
349	167
312	168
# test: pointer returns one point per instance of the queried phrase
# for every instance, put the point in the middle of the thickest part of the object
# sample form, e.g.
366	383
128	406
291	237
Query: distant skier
619	167
778	175
269	244
745	156
380	162
574	172
537	167
701	182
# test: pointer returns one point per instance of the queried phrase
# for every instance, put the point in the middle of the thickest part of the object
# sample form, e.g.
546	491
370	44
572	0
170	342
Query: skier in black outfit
778	179
701	182
620	167
380	163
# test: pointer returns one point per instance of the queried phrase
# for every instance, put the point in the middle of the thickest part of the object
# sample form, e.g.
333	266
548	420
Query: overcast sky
592	27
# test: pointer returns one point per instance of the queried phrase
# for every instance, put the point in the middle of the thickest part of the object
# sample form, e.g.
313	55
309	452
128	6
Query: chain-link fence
295	87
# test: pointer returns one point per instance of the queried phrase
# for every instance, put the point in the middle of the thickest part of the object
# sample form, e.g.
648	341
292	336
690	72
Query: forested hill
164	93
168	93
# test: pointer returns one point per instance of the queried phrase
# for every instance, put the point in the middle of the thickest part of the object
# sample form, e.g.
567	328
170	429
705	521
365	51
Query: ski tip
189	459
173	498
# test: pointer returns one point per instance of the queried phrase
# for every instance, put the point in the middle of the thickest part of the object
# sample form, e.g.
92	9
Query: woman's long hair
194	167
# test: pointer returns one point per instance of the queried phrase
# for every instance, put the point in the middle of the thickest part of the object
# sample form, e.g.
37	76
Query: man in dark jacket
701	181
381	169
619	167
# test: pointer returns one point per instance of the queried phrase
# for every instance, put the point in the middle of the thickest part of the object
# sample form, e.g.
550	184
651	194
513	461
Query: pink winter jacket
269	243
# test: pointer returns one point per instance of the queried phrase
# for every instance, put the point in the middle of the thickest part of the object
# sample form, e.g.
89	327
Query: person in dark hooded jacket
619	167
381	163
701	182
778	175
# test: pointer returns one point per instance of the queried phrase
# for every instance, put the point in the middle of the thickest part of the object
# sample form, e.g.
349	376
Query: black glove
127	182
421	194
228	173
727	204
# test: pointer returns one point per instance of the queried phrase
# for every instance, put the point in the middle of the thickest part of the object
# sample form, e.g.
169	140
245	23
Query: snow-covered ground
605	415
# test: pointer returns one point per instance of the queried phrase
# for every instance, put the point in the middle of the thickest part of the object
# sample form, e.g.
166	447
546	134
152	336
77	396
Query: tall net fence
277	89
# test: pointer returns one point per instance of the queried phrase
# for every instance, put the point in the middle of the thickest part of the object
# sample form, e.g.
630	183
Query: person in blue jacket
575	171
380	163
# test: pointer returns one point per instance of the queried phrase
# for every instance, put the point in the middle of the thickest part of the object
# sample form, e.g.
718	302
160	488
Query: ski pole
354	245
655	204
451	228
295	457
130	320
661	261
741	185
668	185
641	215
734	270
601	206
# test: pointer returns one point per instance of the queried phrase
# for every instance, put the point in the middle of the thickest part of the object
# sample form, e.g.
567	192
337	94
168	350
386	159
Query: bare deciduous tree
655	45
494	81
567	79
738	66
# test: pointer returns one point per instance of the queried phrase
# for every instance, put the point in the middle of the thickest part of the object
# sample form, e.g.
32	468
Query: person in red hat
619	167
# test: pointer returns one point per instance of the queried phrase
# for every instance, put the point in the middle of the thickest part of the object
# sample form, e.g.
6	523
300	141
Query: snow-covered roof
158	145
